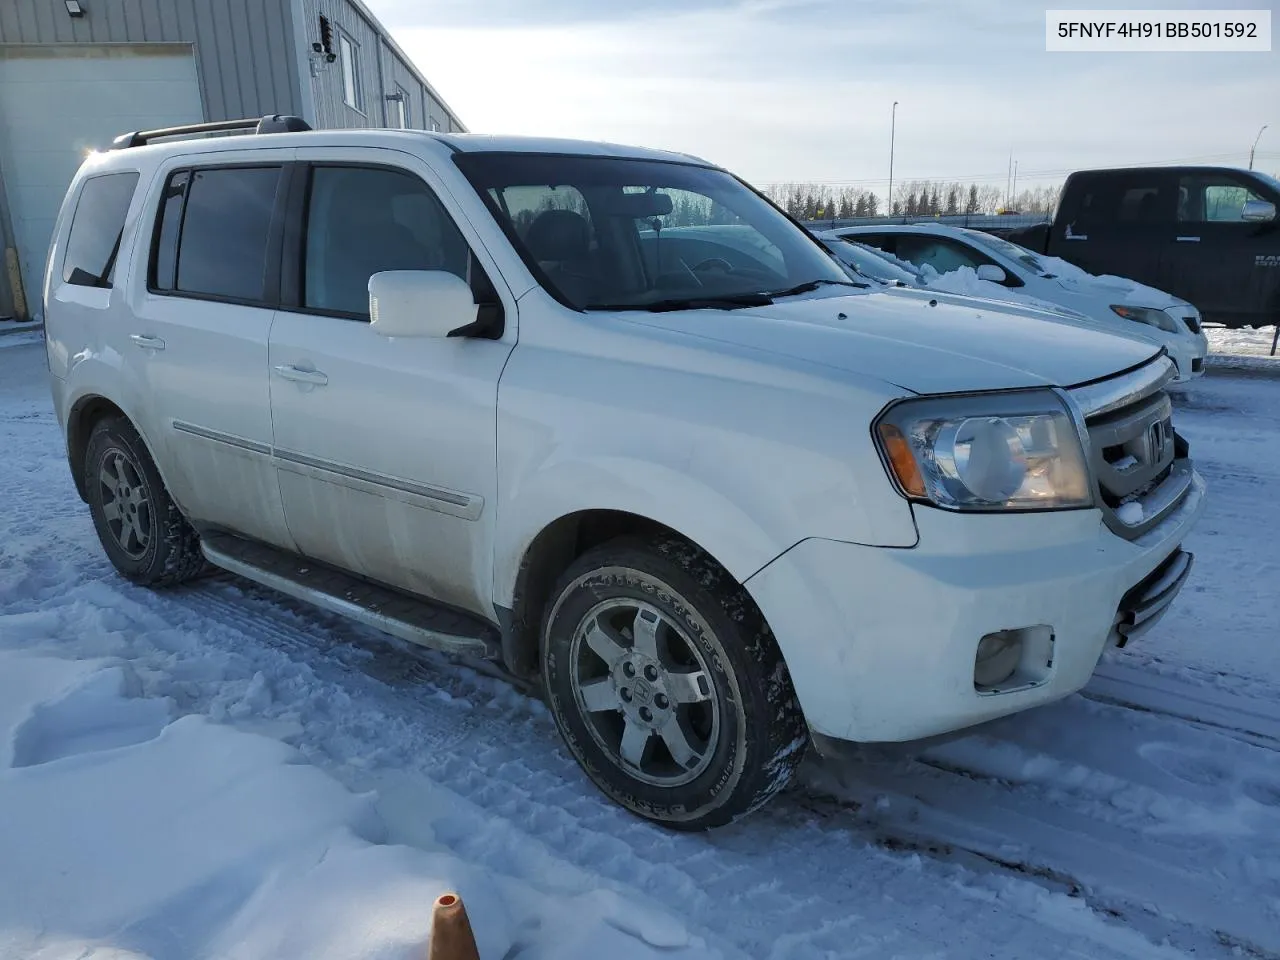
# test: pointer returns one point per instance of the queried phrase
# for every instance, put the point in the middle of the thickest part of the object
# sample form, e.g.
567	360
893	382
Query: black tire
163	549
755	738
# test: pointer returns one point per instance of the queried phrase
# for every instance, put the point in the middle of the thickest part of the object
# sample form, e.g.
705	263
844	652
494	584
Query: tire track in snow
1131	809
1251	718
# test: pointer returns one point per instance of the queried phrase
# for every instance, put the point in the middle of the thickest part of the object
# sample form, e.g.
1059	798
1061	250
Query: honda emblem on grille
1157	435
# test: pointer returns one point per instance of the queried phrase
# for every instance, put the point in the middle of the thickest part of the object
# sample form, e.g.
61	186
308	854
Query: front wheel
667	685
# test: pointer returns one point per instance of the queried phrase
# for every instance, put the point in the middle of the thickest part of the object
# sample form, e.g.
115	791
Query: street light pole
893	126
1251	149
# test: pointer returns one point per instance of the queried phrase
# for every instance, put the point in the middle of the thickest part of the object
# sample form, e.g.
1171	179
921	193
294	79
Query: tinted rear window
224	217
97	228
1139	198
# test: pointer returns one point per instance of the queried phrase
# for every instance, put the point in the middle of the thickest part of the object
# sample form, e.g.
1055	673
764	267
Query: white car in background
883	271
974	263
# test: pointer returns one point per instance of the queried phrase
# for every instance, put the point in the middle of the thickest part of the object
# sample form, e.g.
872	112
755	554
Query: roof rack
274	123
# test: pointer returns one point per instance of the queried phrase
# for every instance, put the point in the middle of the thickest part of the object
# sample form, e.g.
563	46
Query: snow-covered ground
1245	342
214	771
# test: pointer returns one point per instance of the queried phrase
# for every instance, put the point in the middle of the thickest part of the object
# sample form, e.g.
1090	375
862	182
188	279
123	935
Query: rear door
1218	259
1119	224
199	329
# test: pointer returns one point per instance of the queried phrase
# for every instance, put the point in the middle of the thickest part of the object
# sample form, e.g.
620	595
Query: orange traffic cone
451	936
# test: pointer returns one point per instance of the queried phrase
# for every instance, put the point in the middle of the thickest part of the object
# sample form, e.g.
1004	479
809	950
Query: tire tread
778	747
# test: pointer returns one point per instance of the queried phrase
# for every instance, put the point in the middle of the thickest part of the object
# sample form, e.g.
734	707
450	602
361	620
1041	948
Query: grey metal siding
242	47
381	67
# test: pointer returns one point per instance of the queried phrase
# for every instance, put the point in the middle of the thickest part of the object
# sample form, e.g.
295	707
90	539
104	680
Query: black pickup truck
1209	235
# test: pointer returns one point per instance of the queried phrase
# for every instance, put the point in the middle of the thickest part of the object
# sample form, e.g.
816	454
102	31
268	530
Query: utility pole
893	126
1254	148
1013	193
1008	177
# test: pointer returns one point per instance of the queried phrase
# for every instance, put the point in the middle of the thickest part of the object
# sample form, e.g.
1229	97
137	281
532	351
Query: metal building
75	73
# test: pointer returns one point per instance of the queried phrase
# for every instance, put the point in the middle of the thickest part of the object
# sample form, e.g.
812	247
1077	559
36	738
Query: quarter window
350	77
212	233
97	228
362	221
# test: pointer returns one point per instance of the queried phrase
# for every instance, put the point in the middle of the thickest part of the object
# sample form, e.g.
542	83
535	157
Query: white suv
716	505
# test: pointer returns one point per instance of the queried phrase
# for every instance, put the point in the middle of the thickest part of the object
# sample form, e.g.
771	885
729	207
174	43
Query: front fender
651	490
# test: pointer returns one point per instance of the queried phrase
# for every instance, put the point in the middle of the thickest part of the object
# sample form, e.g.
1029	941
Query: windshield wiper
727	302
814	285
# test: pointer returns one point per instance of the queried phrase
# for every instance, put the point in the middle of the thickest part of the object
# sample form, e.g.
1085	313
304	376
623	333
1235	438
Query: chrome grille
1139	463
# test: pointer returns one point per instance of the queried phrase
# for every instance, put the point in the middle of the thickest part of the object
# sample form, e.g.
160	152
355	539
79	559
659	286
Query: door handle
147	343
313	377
1188	239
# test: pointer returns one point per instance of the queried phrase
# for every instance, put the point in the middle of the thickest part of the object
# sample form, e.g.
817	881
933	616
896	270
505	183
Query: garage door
59	102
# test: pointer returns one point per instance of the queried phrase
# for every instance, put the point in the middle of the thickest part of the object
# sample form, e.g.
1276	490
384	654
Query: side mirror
419	303
1258	211
989	271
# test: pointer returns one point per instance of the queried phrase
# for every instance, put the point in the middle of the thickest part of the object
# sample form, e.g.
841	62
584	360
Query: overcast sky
783	90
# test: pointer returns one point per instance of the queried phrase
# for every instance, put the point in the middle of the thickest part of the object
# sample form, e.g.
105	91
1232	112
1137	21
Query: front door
1218	260
385	448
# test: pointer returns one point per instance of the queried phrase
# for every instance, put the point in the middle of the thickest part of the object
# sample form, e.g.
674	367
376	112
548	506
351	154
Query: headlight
1006	451
1147	315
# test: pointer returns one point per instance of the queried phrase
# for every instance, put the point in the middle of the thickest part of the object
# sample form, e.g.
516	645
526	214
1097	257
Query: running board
392	612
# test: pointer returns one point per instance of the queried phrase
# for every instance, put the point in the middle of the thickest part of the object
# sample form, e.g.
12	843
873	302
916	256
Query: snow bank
126	833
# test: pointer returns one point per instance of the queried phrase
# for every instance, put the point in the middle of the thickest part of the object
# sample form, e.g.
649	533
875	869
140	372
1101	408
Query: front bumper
880	642
1188	355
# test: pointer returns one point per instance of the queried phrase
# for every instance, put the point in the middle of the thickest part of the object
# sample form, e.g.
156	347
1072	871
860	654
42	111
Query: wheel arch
549	554
85	413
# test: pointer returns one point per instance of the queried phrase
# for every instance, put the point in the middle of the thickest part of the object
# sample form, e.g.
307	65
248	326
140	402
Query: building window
402	108
350	76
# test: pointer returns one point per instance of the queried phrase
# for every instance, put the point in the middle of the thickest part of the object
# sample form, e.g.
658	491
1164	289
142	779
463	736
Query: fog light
998	656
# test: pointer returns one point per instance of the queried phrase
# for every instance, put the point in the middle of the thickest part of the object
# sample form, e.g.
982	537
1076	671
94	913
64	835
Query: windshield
869	262
607	233
1011	250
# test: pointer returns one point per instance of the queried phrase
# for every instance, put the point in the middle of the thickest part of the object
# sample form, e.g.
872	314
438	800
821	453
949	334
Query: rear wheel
141	529
668	686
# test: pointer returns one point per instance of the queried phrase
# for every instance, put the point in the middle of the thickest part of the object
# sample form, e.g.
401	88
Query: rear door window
97	228
1131	199
213	231
943	254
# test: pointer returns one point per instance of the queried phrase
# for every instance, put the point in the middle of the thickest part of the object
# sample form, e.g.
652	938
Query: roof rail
274	123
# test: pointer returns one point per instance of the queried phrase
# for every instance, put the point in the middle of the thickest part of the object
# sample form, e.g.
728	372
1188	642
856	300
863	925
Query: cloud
801	89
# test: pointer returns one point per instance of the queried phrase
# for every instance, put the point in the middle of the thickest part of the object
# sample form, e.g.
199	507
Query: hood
1119	290
921	343
1001	300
